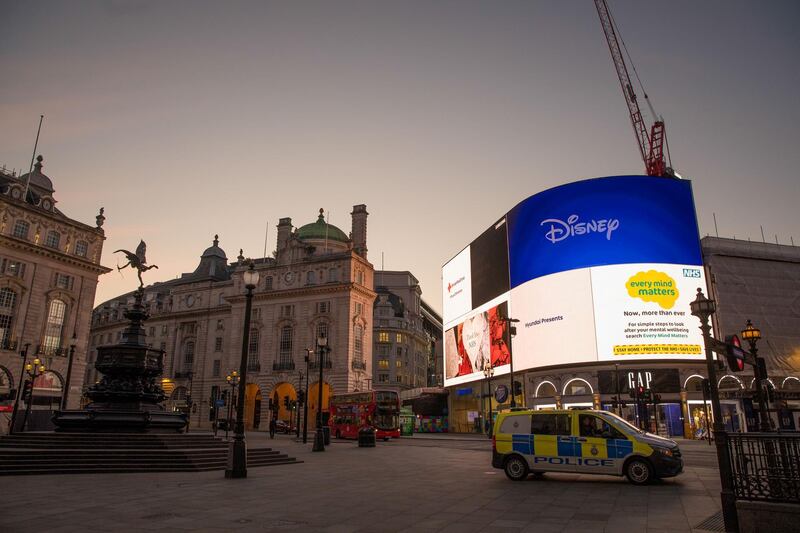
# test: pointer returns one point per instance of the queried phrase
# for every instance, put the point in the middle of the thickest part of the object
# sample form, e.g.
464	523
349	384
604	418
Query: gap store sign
596	270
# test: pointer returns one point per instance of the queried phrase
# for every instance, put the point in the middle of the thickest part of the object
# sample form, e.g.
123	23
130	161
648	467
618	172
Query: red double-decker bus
353	411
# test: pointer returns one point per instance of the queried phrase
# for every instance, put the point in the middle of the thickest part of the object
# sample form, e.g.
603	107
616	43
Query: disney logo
560	230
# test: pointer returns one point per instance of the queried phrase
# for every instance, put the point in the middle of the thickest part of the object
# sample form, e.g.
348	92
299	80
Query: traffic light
286	402
646	395
734	353
301	397
517	388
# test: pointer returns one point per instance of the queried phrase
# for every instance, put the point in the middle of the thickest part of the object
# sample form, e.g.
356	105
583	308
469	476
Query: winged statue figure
137	260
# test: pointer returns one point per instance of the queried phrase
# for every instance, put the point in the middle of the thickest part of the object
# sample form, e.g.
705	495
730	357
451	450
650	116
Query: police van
580	441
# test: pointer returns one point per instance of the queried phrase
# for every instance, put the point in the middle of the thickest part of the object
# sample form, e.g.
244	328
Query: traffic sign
219	402
501	393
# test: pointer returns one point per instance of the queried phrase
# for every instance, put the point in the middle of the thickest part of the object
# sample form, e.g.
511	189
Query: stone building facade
317	283
49	267
406	337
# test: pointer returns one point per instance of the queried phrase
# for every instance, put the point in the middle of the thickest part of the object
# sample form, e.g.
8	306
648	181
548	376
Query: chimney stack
284	232
359	231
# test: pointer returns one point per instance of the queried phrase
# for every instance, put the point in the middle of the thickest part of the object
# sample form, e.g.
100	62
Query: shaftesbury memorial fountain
129	397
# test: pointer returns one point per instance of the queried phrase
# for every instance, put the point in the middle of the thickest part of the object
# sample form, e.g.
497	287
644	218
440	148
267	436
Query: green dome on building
320	230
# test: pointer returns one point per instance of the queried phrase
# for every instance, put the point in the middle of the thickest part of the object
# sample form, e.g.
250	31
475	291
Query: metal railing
253	366
766	466
359	365
279	366
328	363
8	344
51	350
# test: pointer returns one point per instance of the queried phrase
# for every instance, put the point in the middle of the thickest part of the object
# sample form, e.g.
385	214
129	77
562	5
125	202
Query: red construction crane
651	146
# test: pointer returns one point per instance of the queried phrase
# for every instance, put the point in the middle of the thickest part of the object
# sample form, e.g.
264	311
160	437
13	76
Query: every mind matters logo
560	230
453	285
653	286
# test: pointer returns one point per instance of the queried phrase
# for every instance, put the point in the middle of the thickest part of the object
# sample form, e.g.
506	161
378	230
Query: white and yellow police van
580	441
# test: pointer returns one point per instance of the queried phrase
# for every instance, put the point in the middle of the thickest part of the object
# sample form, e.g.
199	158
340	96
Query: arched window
252	350
577	387
55	326
545	389
21	229
285	345
358	343
8	301
694	383
188	356
53	239
791	383
268	283
729	383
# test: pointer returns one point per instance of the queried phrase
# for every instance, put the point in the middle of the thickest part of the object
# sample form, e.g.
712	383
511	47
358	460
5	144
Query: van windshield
623	424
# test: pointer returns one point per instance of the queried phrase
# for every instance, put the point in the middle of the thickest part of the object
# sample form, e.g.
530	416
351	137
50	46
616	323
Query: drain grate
714	522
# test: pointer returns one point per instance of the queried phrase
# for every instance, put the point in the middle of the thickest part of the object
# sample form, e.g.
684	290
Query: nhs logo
691	272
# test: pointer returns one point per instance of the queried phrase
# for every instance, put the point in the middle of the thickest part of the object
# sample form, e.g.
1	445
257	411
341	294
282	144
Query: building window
164	330
12	268
8	300
322	331
55	326
333	275
285	344
359	308
63	281
53	239
399	351
384	349
268	283
151	332
360	277
218	344
311	277
81	248
358	343
287	310
399	337
383	336
215	368
398	363
252	349
220	325
162	346
383	364
398	379
221	300
323	307
188	356
21	229
383	378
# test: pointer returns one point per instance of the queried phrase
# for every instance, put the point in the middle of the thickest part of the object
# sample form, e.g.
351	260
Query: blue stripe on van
522	444
619	448
569	448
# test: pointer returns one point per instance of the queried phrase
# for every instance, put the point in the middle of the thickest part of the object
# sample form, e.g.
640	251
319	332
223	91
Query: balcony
186	374
328	363
253	366
283	366
51	351
359	365
8	344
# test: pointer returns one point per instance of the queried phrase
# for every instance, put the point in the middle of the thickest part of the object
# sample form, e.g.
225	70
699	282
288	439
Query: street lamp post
512	330
237	457
34	371
24	355
752	335
305	404
319	436
233	382
297	405
488	371
72	344
703	308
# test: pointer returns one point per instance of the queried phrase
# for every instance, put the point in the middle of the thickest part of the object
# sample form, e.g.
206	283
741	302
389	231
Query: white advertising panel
457	286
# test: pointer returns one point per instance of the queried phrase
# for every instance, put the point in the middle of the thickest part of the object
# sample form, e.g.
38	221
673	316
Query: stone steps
60	453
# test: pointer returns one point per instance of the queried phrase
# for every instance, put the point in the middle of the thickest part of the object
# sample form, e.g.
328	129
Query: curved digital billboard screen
596	270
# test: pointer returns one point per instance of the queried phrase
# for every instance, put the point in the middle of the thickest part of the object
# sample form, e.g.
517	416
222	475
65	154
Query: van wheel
639	472
516	468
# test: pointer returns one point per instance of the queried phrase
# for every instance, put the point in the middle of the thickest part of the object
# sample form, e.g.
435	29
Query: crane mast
651	146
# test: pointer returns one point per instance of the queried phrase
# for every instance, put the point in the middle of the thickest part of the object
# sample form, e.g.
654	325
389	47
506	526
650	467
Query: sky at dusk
186	119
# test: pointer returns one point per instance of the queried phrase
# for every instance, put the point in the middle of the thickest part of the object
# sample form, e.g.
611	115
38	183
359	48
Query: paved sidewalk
393	487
